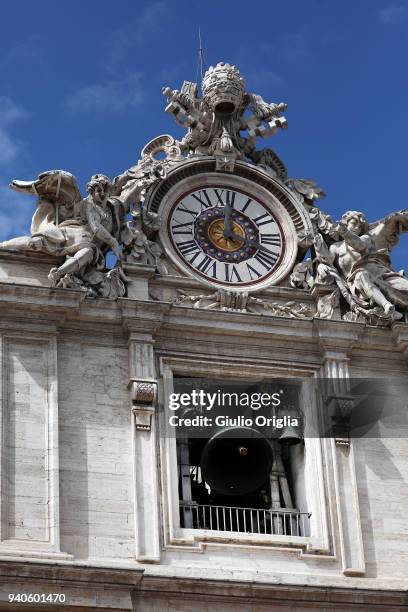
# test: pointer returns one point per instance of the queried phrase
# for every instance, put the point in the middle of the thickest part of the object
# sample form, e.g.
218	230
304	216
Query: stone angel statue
359	263
79	230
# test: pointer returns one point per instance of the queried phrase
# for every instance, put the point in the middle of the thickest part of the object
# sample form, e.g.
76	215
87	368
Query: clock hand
258	246
239	238
251	243
227	221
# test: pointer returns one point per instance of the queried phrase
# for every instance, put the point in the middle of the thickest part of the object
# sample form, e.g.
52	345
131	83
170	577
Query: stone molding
350	538
315	546
157	329
43	347
85	587
64	308
213	594
96	588
143	394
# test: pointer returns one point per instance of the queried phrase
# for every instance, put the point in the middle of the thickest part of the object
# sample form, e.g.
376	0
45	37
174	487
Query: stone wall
97	508
73	455
382	473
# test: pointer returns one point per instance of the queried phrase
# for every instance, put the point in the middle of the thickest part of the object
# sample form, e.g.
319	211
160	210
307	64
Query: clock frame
276	198
196	229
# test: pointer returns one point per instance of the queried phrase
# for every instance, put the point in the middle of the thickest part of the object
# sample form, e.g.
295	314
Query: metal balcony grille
244	520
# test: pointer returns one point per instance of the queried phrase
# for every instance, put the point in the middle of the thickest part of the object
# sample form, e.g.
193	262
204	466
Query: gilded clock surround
216	235
209	234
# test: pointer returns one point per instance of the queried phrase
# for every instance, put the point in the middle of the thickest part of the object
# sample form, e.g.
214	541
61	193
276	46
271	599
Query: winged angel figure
80	230
359	263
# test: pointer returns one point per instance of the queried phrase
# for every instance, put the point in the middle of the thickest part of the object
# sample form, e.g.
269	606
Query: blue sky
80	89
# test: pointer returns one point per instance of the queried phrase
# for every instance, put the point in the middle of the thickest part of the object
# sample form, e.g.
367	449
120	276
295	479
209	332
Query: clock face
226	235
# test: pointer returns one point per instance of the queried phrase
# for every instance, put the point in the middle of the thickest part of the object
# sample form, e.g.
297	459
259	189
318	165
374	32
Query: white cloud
10	113
135	33
16	211
9	149
112	96
265	78
115	95
393	14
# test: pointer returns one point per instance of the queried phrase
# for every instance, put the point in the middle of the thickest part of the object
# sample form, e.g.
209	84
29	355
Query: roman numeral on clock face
187	246
273	239
225	196
208	253
253	274
182	208
203	198
263	219
247	203
208	266
182	228
231	273
267	260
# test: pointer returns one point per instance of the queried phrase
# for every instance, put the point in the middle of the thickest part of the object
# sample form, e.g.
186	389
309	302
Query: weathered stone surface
89	484
96	506
95	450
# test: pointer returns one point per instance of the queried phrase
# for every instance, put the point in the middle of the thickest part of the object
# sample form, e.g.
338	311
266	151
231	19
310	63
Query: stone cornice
143	317
337	337
31	296
81	575
277	595
29	258
62	307
183	282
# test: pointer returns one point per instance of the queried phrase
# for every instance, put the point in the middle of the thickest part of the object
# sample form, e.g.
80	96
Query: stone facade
83	488
89	482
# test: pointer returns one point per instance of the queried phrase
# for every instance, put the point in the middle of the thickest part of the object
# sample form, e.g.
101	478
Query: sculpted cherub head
355	222
99	188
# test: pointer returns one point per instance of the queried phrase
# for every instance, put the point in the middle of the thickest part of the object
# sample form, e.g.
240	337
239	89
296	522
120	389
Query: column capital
337	338
329	355
400	335
143	317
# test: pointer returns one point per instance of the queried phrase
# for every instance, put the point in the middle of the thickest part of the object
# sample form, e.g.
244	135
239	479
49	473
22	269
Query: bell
290	435
236	461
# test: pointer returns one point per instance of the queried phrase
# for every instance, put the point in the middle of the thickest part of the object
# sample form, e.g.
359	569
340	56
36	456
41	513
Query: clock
227	232
226	235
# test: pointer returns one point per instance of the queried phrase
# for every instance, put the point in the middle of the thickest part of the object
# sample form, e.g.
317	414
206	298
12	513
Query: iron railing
244	520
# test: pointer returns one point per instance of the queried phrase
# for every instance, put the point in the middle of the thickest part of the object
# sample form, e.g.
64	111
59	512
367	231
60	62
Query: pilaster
141	325
337	343
29	388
